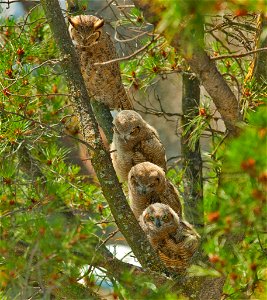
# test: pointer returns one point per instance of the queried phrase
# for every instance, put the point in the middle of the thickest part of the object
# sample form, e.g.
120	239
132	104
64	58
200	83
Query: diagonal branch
101	160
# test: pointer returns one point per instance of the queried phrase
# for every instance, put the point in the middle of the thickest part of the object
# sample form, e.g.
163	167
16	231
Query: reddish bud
253	266
247	92
6	92
257	194
7	181
214	258
214	216
248	164
263	178
100	208
163	53
20	51
17	131
54	89
262	132
202	111
241	12
8	72
139	19
218	6
42	231
30	112
12	202
49	162
155	69
233	276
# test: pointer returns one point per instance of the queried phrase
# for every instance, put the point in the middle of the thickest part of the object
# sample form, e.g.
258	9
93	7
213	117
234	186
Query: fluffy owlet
175	240
134	141
94	45
147	185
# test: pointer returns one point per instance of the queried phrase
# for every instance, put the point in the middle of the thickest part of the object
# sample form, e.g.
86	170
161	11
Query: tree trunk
260	60
192	161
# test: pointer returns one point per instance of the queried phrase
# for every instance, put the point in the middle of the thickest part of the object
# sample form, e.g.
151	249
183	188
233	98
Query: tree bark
192	161
101	160
104	119
205	69
260	60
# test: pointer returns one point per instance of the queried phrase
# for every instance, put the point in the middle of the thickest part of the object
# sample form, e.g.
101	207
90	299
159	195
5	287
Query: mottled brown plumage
134	141
147	185
94	45
175	240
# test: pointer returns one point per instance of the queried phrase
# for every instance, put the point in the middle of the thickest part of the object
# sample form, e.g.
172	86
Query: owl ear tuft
73	21
98	24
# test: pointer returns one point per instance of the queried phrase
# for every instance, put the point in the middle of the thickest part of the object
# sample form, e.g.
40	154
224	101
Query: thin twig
126	57
238	55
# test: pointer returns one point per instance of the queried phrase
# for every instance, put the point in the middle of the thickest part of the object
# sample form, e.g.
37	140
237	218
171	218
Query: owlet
134	141
94	45
147	185
174	240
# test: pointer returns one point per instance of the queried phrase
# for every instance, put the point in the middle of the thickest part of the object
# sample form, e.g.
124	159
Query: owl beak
143	190
157	222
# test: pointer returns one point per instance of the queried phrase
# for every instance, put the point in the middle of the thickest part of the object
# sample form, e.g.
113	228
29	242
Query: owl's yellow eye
151	218
165	218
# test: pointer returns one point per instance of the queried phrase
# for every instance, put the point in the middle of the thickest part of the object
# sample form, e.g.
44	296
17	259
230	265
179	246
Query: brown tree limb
192	161
205	69
101	160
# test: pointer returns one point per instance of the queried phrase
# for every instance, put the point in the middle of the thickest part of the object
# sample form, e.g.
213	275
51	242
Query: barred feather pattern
174	239
93	45
134	141
147	185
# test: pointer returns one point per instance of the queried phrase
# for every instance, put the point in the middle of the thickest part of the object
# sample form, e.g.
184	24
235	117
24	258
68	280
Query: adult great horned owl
174	239
94	45
147	185
134	141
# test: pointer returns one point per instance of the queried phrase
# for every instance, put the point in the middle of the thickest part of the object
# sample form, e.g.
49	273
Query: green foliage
157	61
198	122
242	213
40	237
53	218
